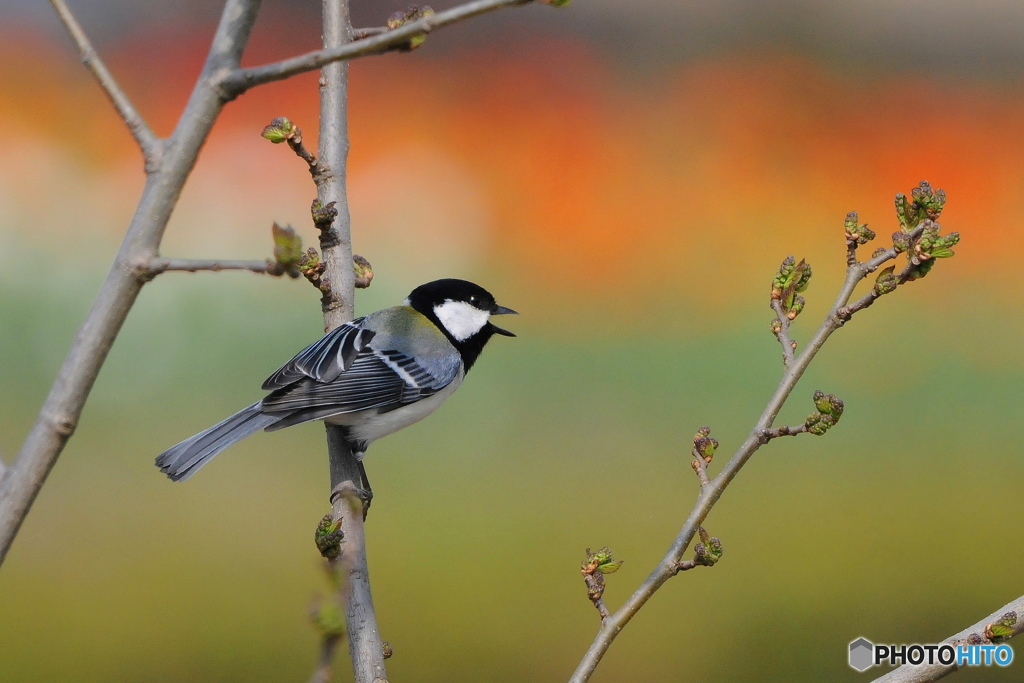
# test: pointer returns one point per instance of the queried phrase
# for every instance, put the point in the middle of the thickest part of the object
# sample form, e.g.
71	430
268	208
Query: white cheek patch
461	319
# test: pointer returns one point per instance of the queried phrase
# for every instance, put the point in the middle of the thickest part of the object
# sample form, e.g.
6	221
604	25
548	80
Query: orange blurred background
628	177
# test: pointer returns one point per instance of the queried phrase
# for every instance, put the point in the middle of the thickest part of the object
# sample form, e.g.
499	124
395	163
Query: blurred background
627	175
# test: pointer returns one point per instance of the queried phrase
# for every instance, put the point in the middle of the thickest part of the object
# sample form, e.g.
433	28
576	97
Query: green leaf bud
279	130
886	281
900	241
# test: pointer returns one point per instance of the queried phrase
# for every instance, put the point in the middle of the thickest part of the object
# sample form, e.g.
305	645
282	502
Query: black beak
502	310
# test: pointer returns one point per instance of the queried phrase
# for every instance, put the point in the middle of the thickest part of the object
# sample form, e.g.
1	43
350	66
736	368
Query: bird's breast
370	425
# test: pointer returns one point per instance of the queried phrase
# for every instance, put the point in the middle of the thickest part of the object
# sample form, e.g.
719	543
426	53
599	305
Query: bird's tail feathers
181	461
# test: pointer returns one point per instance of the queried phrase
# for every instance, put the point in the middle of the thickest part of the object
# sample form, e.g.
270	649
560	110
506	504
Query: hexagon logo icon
862	653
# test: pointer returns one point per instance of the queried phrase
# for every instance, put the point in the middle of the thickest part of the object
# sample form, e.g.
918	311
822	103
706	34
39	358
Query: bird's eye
473	300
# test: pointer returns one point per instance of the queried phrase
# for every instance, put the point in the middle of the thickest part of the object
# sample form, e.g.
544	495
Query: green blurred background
628	176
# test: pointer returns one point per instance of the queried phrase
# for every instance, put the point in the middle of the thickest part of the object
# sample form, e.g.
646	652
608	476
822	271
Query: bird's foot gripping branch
920	244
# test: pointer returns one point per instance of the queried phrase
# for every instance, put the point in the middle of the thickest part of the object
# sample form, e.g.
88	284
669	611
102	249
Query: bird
372	376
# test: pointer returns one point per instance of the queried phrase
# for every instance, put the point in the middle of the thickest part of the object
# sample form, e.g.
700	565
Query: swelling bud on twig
412	13
857	234
709	551
323	214
791	279
997	631
885	282
926	203
829	410
287	249
933	245
923	251
703	445
329	536
593	569
364	272
281	130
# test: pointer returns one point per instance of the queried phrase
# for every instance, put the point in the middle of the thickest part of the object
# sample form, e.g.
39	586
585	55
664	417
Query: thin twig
781	330
972	635
776	432
324	665
59	414
361	33
709	495
159	265
699	466
238	81
149	143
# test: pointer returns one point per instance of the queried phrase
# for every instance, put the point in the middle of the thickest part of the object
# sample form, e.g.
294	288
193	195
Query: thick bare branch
150	144
59	415
761	433
240	80
972	635
338	302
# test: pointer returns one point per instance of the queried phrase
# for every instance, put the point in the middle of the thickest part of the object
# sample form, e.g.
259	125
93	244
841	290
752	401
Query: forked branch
240	80
919	238
150	144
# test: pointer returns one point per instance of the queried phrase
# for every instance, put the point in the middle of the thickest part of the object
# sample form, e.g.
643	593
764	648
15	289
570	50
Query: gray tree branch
975	634
59	415
668	567
240	80
365	643
150	144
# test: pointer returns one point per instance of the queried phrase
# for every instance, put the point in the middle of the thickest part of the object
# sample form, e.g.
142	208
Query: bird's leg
367	492
362	490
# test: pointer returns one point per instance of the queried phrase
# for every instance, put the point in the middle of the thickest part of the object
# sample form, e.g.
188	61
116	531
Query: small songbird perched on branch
372	376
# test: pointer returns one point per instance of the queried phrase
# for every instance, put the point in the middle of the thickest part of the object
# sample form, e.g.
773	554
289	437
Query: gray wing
326	358
374	379
345	373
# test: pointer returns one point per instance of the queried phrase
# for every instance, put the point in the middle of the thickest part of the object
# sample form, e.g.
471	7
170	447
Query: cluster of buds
598	564
829	410
925	203
921	211
411	13
933	245
703	447
857	234
787	284
709	551
923	251
329	536
311	267
281	130
323	214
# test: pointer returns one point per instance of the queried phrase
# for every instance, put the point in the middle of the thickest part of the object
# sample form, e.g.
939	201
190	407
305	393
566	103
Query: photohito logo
864	654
